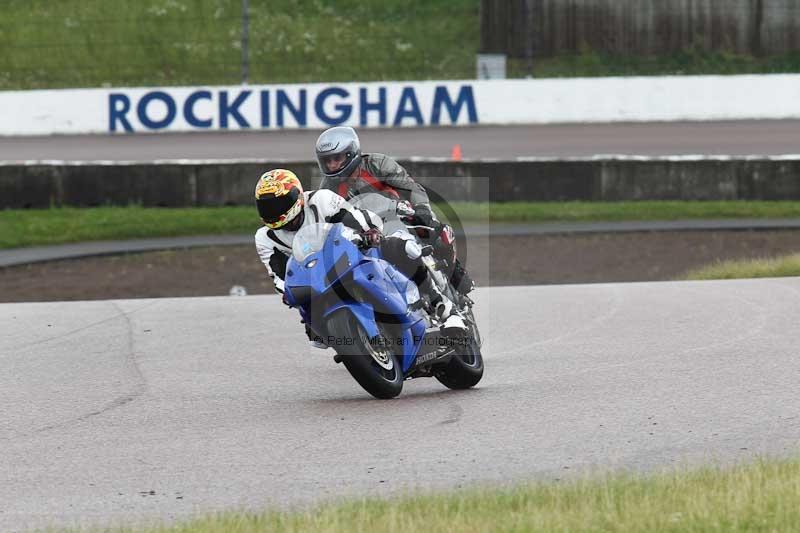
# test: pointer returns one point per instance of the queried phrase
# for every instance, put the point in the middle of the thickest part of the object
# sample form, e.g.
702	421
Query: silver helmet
338	152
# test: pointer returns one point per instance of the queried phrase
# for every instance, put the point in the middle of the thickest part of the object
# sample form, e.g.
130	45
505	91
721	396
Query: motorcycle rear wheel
465	369
374	367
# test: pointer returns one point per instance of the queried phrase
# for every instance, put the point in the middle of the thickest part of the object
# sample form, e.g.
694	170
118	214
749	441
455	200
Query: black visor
272	208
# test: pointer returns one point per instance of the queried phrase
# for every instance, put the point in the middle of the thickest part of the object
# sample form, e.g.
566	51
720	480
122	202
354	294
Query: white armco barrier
398	104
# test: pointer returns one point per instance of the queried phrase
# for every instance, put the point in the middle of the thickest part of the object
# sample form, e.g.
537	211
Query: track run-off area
134	411
735	138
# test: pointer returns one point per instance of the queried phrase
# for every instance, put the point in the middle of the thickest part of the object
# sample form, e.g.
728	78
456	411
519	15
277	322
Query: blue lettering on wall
408	107
465	99
344	110
141	110
298	112
290	107
366	106
188	109
265	109
232	109
118	107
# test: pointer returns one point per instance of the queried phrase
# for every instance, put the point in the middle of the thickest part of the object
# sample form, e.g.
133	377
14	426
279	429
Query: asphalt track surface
696	138
141	410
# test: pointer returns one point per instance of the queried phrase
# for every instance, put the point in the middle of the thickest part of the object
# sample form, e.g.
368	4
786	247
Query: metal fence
548	28
80	43
90	43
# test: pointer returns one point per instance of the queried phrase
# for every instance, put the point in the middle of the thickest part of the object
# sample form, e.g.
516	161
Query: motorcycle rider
348	172
284	208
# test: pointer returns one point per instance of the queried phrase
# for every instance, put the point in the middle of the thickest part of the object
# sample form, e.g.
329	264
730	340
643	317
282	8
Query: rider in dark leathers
348	172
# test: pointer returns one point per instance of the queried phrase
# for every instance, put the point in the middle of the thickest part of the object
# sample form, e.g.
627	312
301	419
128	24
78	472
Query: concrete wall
418	104
639	27
231	183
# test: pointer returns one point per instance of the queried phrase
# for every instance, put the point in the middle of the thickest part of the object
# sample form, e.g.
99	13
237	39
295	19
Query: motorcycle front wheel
372	364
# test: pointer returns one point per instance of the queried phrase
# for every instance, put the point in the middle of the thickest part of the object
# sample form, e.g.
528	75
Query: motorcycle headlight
311	264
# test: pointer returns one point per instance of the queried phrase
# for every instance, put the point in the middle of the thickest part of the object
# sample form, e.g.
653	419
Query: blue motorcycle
373	316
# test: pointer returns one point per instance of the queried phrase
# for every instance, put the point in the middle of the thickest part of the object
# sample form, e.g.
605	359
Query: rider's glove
405	209
445	243
423	215
371	238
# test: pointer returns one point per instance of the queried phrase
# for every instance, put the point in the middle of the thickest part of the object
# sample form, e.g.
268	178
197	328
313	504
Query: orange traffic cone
455	155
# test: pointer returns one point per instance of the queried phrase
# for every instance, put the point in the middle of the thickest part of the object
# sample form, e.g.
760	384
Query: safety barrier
397	104
217	183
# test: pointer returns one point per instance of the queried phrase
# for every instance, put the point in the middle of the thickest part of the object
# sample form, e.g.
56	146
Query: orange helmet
279	197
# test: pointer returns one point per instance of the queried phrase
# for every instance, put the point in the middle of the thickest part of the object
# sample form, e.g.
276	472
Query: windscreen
310	239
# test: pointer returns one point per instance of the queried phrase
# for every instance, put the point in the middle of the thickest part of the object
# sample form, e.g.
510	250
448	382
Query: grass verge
90	43
619	211
590	63
763	496
778	267
20	228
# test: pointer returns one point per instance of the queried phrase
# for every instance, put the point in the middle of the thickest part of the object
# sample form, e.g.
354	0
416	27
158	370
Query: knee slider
413	250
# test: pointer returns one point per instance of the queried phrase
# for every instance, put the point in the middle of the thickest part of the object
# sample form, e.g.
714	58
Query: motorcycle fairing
341	268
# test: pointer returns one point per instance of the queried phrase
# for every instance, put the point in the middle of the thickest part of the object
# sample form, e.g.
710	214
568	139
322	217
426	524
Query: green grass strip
90	43
764	496
779	267
619	211
20	228
590	63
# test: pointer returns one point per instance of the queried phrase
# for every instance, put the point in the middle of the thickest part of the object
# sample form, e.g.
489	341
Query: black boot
442	307
461	279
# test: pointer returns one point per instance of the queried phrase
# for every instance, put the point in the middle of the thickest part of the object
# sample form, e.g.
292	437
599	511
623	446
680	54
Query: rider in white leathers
275	246
285	208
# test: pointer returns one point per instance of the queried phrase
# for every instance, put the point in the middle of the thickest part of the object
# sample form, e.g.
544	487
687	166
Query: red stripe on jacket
372	181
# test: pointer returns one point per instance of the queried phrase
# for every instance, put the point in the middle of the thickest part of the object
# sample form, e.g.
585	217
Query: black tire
465	369
380	382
